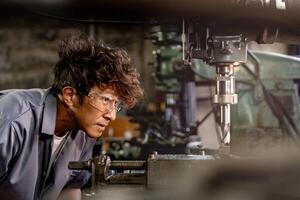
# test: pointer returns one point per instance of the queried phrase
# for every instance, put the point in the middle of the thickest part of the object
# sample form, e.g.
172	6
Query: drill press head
225	53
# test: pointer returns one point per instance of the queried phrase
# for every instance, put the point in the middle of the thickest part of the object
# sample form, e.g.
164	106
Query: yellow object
119	127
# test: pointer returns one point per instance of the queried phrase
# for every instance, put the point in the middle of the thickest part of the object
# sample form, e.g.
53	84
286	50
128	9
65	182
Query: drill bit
225	123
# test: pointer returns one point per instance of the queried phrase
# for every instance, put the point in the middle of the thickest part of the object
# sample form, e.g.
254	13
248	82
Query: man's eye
105	99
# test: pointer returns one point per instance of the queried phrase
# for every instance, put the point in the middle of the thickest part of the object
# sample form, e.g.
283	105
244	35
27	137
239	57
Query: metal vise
159	171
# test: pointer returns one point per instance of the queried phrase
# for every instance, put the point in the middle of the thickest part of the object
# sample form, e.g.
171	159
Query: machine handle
84	165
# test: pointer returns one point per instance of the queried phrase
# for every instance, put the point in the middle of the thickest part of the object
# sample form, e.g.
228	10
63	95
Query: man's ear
68	95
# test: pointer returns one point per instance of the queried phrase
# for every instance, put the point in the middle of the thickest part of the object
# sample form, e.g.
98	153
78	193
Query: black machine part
103	165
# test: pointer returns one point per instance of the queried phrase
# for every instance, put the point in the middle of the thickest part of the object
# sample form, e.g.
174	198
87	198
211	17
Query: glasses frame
109	103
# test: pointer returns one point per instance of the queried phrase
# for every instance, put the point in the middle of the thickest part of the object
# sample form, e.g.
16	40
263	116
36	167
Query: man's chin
94	134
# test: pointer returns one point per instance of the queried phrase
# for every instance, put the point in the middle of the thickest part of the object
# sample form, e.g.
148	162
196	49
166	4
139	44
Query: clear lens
103	103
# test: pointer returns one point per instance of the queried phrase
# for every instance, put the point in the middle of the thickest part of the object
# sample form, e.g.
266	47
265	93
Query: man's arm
79	178
9	146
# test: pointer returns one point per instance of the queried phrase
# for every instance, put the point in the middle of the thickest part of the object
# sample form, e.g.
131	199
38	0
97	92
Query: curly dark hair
84	63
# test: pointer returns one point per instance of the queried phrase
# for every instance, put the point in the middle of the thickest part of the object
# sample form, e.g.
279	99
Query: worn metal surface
128	178
165	171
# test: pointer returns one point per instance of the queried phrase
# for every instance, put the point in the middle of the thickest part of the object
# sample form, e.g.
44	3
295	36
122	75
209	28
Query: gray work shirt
27	123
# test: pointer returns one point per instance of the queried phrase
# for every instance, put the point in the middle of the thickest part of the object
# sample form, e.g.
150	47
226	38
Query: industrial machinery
220	42
158	172
193	177
225	52
253	76
213	31
270	107
255	84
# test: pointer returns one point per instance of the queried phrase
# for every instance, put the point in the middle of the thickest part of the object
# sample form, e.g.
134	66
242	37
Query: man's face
96	111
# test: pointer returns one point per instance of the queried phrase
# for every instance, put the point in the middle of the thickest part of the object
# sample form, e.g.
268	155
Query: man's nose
110	114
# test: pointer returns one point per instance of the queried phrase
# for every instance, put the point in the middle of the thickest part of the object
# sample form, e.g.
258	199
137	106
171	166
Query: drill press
225	53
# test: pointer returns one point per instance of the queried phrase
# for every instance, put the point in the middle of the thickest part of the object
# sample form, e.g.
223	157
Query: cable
273	102
198	123
90	20
70	19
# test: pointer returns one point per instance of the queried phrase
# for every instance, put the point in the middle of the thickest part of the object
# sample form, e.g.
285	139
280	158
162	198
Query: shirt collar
49	114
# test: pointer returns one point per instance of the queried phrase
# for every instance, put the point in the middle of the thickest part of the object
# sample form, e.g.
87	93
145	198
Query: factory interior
220	117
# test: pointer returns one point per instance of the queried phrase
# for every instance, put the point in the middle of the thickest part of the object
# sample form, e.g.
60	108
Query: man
42	130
